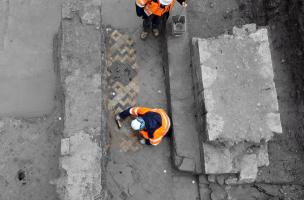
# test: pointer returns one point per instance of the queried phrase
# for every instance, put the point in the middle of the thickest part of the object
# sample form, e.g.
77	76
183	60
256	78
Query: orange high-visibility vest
151	7
161	131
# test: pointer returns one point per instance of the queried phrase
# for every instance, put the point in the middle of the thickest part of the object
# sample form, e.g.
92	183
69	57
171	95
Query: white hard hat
138	124
165	2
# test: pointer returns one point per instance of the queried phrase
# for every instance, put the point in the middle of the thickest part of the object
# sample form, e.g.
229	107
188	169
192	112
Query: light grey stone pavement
27	78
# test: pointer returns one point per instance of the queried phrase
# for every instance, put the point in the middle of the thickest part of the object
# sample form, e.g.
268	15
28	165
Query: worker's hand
142	141
184	4
117	119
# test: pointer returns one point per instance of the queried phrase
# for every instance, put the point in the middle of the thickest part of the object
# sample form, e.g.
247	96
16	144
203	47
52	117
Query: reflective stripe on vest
140	3
165	119
133	111
156	141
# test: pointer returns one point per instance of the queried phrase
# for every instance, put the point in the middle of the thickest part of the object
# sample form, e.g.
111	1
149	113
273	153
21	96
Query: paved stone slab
80	62
204	189
249	168
83	176
234	88
80	65
186	135
219	159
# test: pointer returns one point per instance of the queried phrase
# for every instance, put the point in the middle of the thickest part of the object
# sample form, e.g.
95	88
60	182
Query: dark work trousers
126	113
153	20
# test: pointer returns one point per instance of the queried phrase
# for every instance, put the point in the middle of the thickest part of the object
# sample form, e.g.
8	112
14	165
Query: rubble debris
231	180
211	178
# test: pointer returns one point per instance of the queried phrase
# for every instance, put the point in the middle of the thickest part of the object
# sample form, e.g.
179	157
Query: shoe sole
144	38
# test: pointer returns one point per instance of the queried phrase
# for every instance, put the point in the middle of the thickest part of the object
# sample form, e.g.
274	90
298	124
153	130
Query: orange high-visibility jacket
158	133
150	7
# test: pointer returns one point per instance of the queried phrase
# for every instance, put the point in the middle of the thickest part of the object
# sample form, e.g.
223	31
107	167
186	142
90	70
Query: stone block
203	179
80	66
80	63
186	145
204	189
65	146
187	165
262	155
249	168
83	172
218	192
220	179
217	160
220	159
239	93
205	192
211	178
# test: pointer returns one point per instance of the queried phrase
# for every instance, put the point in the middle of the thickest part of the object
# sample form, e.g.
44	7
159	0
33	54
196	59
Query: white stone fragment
65	146
249	168
274	122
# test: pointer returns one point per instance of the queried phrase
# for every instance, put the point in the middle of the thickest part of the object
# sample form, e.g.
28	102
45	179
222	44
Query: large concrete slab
234	88
186	146
27	78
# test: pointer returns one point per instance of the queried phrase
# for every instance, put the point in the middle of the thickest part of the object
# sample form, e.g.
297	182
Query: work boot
144	35
155	32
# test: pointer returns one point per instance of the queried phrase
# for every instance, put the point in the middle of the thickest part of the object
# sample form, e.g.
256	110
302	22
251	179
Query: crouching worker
152	124
152	12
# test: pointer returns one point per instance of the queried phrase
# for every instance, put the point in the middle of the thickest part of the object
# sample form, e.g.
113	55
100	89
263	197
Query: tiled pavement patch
122	71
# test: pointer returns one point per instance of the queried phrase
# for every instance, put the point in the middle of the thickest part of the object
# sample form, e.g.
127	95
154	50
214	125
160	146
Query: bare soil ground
29	157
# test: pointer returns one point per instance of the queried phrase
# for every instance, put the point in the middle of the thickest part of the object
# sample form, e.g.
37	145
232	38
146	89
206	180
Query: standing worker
152	124
152	11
